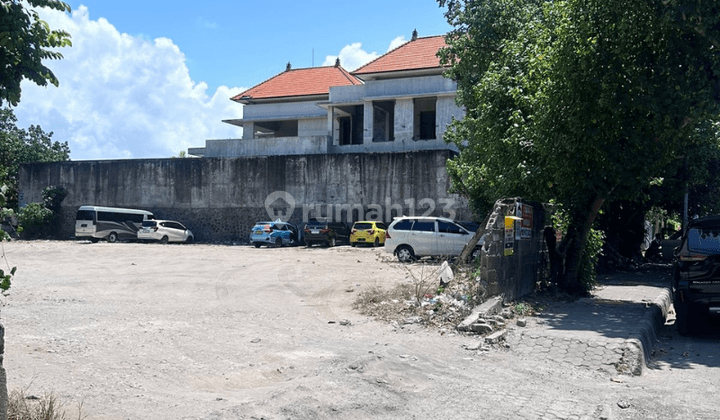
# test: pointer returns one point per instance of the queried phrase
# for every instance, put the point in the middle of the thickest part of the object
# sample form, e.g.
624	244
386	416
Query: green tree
580	101
24	146
25	41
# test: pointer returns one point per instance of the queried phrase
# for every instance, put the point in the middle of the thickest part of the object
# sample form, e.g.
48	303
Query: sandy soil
146	331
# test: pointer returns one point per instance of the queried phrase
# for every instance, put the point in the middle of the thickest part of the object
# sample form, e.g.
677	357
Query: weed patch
28	407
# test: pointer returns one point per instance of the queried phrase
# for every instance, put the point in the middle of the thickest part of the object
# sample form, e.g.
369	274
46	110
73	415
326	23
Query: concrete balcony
396	146
272	146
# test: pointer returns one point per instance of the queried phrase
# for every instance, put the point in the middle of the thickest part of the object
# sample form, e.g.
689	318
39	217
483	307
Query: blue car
275	234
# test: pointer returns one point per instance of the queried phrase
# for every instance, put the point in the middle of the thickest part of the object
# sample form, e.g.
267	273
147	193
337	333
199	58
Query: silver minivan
412	237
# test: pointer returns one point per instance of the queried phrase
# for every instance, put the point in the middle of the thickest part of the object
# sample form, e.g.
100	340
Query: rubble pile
444	301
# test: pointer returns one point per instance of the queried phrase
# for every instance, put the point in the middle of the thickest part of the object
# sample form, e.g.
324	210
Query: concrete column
404	116
248	130
445	110
368	122
332	127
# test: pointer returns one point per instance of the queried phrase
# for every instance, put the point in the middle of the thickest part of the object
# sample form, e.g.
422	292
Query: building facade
399	102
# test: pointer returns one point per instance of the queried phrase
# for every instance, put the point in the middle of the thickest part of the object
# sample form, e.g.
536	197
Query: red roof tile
300	82
413	55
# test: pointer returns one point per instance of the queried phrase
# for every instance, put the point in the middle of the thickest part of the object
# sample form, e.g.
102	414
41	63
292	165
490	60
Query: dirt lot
145	331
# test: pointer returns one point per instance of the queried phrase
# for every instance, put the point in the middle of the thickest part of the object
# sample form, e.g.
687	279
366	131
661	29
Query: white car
412	237
164	231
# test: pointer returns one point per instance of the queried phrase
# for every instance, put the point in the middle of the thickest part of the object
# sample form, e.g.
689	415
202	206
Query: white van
110	223
412	237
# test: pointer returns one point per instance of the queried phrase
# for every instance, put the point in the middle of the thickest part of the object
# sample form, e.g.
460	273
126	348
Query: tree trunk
574	246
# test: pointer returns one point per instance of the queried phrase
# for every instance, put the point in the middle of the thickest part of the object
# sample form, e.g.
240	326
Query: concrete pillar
248	130
368	122
512	272
333	128
404	116
445	110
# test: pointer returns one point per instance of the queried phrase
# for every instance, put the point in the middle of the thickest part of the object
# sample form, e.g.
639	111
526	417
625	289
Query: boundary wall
220	199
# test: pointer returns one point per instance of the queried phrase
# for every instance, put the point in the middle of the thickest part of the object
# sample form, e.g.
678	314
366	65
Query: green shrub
34	219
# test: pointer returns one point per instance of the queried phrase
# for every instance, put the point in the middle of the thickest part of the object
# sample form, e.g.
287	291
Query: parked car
326	233
696	274
164	231
670	242
409	238
368	232
277	234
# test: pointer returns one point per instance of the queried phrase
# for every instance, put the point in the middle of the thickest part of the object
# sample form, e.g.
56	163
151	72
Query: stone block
481	328
496	337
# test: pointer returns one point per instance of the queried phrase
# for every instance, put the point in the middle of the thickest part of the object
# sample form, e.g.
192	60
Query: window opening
425	116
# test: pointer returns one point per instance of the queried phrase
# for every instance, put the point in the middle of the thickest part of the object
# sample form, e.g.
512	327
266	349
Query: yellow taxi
367	232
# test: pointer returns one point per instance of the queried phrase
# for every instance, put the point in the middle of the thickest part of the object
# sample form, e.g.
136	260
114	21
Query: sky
149	79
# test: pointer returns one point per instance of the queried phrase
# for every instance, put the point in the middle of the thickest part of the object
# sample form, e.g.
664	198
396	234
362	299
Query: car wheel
112	237
377	242
257	244
94	240
164	239
308	244
475	254
189	240
353	244
405	253
278	242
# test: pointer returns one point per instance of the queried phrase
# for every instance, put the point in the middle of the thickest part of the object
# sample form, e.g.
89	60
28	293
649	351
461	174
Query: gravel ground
145	331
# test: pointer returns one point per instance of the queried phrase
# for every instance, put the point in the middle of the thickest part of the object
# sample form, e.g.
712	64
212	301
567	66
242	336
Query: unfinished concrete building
398	102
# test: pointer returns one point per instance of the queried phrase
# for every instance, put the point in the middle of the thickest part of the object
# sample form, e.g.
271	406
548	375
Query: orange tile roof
300	82
413	55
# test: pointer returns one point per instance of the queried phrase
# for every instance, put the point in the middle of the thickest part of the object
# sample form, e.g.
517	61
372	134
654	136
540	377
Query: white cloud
396	42
353	56
124	97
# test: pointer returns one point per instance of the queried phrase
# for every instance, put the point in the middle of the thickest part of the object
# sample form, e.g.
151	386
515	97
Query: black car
696	274
326	233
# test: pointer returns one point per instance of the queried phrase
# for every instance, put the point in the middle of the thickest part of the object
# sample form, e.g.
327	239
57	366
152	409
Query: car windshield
317	224
363	226
704	240
471	226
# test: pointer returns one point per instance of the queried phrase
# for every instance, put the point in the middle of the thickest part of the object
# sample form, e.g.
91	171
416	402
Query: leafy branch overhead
580	101
25	41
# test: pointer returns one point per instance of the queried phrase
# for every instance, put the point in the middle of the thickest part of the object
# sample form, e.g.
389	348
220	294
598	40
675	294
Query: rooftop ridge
296	82
394	50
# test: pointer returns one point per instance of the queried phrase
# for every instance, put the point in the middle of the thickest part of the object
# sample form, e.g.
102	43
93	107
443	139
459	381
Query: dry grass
28	407
421	298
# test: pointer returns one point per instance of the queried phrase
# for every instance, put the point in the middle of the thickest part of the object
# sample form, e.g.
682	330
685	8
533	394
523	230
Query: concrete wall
220	199
514	275
283	110
313	127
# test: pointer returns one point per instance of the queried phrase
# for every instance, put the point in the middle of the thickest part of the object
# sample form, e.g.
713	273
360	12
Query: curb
638	347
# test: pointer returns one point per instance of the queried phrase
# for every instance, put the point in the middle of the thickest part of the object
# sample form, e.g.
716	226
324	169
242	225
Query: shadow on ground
678	352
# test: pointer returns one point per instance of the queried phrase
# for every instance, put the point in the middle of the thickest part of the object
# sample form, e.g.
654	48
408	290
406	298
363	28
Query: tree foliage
25	41
24	146
580	101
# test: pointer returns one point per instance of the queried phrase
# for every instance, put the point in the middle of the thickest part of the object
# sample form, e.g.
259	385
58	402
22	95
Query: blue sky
150	79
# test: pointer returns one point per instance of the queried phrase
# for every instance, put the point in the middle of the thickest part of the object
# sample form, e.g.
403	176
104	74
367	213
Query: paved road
682	380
